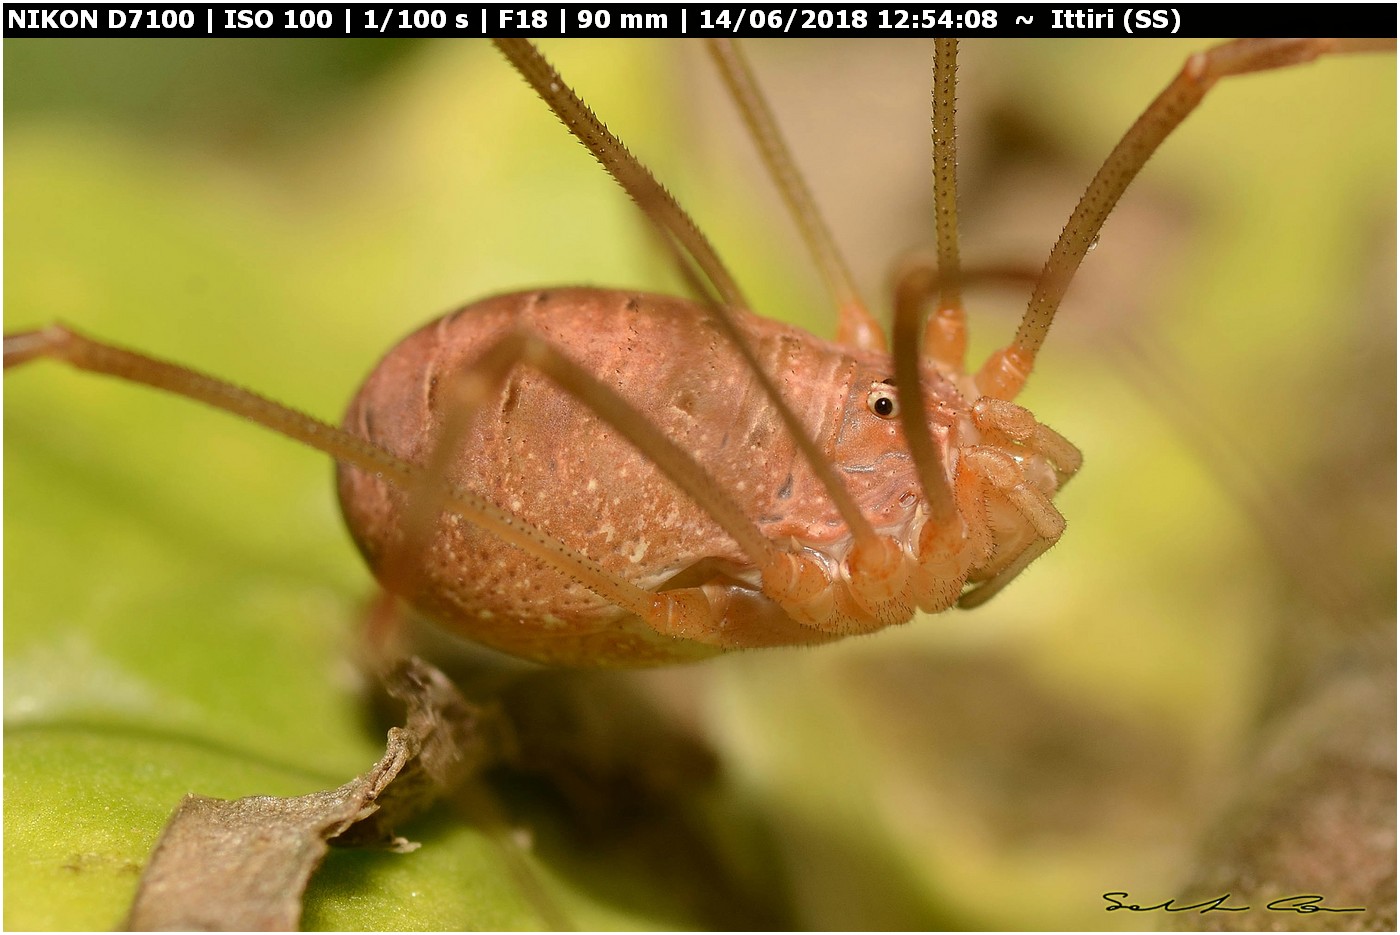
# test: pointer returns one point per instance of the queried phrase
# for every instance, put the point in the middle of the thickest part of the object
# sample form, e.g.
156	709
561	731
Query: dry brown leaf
245	864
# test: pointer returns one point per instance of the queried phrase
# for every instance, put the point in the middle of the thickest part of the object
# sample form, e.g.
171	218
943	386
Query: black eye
882	401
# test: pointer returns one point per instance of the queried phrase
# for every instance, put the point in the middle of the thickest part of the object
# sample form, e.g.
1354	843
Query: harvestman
740	483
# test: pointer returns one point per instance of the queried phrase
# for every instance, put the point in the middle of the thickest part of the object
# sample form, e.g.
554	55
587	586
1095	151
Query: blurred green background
181	602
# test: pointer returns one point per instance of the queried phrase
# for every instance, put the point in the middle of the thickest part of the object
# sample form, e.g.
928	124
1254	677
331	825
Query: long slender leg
1005	372
62	344
910	294
855	325
945	338
1006	275
945	335
667	214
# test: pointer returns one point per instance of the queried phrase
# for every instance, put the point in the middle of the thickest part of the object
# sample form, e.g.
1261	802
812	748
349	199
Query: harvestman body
556	465
591	477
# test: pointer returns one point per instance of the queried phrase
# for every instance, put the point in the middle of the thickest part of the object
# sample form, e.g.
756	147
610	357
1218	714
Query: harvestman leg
62	344
1006	370
674	223
855	326
945	333
945	340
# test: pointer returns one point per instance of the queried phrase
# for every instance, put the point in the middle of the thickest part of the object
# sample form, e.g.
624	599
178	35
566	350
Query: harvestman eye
882	401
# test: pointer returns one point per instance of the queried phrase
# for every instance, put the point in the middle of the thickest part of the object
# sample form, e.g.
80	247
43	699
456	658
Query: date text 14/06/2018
791	18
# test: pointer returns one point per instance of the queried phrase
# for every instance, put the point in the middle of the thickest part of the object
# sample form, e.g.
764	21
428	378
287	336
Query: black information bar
653	20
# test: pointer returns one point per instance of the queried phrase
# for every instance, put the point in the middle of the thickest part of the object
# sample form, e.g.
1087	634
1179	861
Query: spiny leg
945	335
855	327
1005	372
945	342
1004	275
909	298
666	213
635	179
